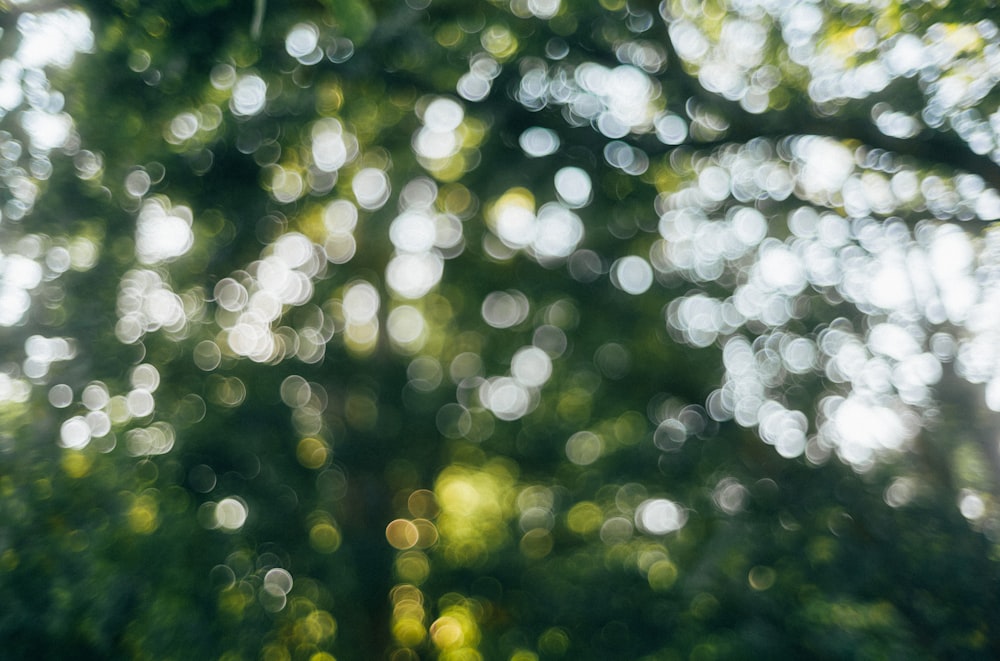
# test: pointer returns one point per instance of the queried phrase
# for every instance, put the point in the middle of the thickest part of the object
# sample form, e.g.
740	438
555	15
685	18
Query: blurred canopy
520	330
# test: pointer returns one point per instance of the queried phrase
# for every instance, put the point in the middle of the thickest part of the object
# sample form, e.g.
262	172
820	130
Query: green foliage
499	330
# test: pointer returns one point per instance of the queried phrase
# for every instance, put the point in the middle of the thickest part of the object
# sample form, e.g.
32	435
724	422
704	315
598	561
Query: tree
530	330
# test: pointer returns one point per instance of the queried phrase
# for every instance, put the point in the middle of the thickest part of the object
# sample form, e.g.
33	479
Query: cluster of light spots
46	130
19	275
360	308
512	397
886	376
456	632
677	421
735	65
142	513
158	438
659	516
340	218
862	428
893	123
933	273
507	398
505	309
475	85
955	64
615	101
76	432
700	248
308	400
730	496
53	38
249	95
13	389
138	182
978	358
424	374
307	45
409	617
543	9
699	320
22	170
41	352
324	535
535	505
332	146
412	536
446	143
776	278
499	41
475	504
284	182
193	128
163	231
273	594
782	428
585	518
11	94
464	420
423	237
553	233
249	303
147	304
104	411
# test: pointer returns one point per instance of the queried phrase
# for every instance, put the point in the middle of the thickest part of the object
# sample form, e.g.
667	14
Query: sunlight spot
557	232
573	187
414	275
531	366
442	115
162	233
249	95
230	514
302	40
507	398
331	147
412	231
371	188
74	433
900	492
671	129
60	395
971	505
504	309
660	516
632	274
407	328
53	38
537	142
47	131
361	302
584	448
